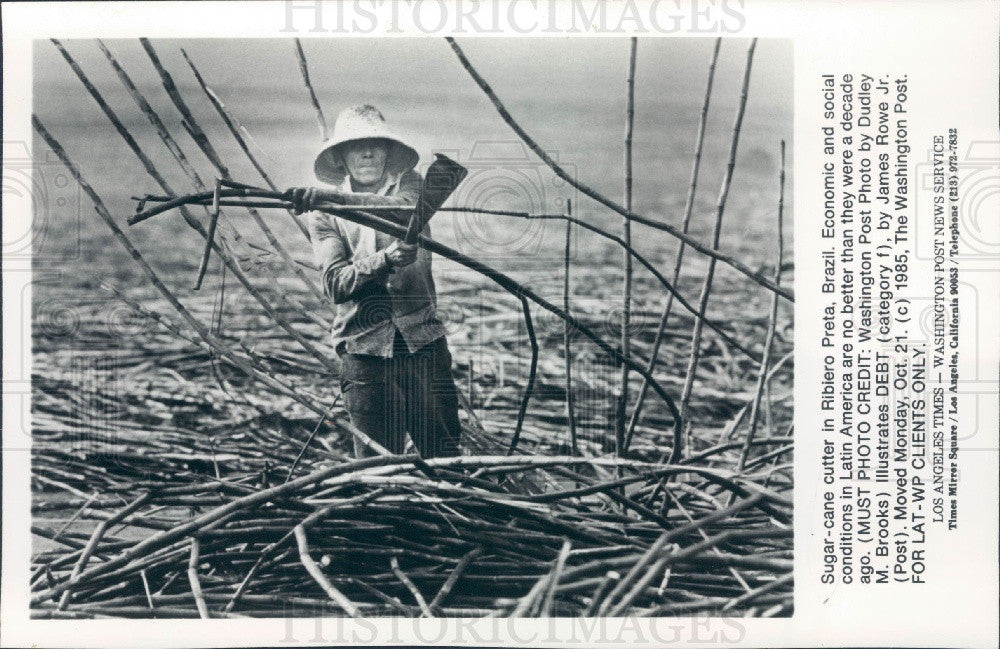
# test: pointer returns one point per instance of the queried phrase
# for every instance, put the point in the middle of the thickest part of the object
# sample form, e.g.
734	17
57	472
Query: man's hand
305	199
400	254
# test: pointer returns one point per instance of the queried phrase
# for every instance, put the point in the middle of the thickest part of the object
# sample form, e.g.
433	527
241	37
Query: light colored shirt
373	301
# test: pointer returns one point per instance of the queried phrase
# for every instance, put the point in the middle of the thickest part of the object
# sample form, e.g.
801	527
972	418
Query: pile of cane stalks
166	487
190	458
461	537
165	496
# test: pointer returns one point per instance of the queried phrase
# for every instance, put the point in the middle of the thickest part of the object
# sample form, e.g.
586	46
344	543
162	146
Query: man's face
365	160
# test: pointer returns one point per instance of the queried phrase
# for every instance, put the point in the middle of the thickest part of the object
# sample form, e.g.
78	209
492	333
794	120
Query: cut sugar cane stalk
520	290
564	175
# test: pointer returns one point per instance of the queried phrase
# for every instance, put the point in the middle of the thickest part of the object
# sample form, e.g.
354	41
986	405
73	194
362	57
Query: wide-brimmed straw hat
360	123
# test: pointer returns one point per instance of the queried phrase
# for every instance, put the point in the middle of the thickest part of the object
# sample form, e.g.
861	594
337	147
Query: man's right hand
305	199
400	254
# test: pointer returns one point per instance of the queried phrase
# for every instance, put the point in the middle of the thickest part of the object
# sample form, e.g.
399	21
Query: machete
442	178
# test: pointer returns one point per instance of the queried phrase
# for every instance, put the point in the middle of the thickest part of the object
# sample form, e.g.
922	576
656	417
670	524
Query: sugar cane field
190	452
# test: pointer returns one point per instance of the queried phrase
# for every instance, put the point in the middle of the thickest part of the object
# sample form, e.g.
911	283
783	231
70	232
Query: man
396	367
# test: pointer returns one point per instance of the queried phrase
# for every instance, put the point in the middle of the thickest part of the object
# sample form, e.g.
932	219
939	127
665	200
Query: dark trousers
414	393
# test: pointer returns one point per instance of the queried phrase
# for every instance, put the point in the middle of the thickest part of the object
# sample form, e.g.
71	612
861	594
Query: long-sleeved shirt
372	303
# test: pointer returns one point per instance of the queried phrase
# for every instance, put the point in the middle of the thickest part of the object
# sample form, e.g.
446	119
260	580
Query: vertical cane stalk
567	335
706	288
532	371
688	209
627	258
772	323
192	573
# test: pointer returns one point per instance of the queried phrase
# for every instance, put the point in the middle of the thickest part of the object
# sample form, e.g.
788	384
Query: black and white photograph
543	323
410	327
502	323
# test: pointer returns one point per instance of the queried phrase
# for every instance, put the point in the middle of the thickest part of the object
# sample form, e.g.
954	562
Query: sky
568	93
